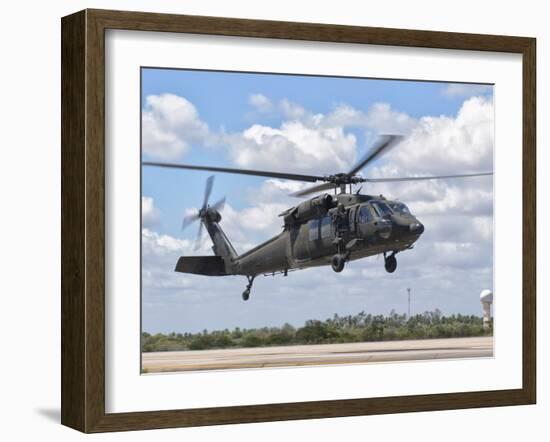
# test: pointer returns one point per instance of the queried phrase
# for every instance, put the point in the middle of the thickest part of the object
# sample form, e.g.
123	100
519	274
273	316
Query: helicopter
327	229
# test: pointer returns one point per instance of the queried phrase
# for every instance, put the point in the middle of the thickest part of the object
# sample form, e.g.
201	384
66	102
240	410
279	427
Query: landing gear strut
390	263
246	293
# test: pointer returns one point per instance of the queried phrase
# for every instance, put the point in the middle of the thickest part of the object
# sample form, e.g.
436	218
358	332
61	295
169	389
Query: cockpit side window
365	215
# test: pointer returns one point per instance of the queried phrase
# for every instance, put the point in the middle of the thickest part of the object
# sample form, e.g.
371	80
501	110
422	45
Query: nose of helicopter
416	227
407	225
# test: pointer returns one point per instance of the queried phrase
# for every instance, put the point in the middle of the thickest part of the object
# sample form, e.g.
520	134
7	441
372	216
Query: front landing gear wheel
246	295
390	263
338	263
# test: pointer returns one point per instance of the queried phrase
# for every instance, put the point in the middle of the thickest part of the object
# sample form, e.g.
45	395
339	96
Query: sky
316	125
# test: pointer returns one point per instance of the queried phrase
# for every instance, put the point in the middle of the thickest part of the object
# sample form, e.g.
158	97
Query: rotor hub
343	178
211	214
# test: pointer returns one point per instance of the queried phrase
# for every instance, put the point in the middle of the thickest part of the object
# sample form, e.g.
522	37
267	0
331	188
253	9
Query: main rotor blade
384	144
313	189
208	190
284	176
421	178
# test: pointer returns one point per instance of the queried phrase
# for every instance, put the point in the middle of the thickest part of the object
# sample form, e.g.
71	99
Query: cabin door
366	222
352	219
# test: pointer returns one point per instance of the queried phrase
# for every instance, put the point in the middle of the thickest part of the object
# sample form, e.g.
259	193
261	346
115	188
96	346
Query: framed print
269	221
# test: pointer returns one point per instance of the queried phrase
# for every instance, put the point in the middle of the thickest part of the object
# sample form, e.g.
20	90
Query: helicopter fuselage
351	226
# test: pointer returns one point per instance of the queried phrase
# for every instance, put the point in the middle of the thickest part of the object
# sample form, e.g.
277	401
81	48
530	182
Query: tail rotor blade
188	220
198	241
208	190
219	205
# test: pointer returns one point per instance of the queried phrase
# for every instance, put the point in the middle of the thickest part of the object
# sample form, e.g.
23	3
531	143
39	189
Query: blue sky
240	120
232	90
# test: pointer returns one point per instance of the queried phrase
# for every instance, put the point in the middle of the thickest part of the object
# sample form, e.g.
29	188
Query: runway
302	355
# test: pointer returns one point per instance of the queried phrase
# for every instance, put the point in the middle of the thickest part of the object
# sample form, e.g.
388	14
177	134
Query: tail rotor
204	211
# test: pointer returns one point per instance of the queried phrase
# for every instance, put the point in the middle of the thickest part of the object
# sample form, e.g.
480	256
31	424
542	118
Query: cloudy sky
313	125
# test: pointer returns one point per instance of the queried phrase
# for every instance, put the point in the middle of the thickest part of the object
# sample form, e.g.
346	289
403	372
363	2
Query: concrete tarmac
301	355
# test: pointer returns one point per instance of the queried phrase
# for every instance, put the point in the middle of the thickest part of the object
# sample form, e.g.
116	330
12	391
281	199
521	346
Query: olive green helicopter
330	228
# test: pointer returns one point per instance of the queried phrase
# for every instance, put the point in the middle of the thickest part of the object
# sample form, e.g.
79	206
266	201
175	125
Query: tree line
361	327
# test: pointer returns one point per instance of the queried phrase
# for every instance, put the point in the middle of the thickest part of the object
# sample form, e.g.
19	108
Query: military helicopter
331	228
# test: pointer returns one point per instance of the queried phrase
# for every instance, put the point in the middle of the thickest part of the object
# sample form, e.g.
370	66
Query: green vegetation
338	329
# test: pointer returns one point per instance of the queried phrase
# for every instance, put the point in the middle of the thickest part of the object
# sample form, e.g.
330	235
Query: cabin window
365	215
326	227
313	229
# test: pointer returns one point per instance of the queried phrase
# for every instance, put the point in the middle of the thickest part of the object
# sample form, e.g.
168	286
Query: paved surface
299	355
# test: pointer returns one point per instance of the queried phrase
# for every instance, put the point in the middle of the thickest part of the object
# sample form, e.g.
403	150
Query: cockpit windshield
382	209
399	208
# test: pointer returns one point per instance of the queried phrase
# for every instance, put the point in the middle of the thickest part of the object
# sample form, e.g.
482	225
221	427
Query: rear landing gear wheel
390	263
246	293
338	261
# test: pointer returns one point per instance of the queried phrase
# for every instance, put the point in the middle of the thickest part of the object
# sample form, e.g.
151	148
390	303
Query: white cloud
293	111
455	90
170	125
304	141
385	120
474	197
155	244
313	143
380	117
260	102
159	257
294	146
266	203
445	145
150	215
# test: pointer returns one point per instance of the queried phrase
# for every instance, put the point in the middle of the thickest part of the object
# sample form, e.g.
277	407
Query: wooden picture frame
83	220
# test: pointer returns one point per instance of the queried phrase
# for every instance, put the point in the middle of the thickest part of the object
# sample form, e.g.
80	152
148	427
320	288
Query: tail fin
222	246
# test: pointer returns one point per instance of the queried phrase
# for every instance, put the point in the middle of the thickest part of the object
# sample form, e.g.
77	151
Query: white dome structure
486	298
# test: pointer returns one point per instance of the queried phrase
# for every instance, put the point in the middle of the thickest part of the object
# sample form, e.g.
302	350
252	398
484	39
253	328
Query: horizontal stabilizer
201	265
